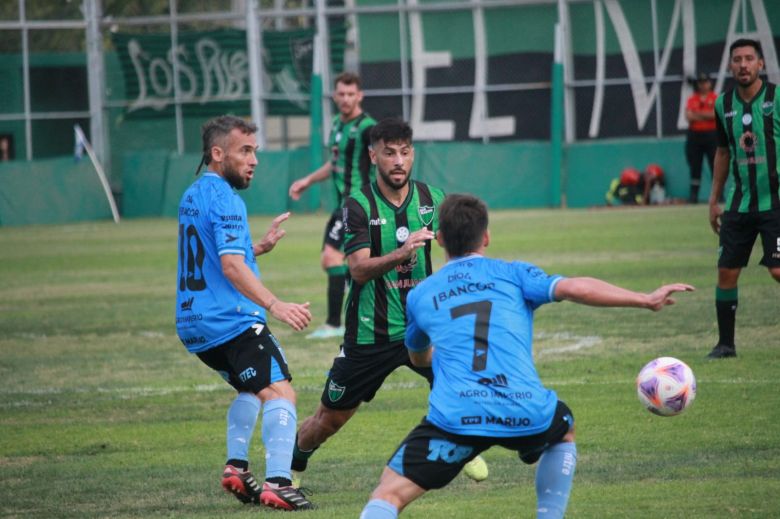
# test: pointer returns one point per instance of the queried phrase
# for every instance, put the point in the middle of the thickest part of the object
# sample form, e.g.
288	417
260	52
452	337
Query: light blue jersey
478	314
212	222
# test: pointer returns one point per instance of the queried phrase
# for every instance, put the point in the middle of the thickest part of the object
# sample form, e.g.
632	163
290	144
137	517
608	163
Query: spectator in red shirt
702	138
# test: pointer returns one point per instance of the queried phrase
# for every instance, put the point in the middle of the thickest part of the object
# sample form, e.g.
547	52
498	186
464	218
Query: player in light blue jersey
221	307
473	322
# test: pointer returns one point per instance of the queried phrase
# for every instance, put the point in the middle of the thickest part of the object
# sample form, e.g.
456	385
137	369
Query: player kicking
472	321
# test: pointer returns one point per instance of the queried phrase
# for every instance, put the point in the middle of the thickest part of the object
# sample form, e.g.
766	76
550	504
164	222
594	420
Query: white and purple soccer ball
666	386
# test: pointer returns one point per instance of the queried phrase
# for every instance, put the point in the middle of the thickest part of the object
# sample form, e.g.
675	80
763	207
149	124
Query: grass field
104	414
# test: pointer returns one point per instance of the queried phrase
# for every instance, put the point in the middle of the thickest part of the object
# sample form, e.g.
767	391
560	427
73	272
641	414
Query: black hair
215	130
747	42
392	129
463	220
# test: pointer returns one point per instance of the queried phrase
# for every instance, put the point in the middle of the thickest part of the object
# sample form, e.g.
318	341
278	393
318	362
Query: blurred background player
701	140
473	320
638	188
389	226
748	126
349	166
221	307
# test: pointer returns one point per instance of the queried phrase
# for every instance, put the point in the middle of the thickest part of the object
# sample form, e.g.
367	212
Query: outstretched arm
302	184
595	292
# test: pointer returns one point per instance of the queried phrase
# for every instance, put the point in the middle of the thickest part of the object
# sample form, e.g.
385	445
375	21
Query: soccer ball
666	386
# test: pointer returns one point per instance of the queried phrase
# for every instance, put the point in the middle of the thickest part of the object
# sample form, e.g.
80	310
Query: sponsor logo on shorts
470	420
189	341
447	452
247	374
335	391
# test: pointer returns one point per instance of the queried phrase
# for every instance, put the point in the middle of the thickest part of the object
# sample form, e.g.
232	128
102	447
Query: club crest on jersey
426	214
402	234
768	107
335	391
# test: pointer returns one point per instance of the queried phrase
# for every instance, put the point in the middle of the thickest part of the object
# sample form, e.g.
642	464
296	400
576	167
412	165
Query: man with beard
389	225
349	167
747	119
221	307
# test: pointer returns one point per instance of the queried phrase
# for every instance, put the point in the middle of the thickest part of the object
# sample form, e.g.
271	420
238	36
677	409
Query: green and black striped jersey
349	143
751	131
376	310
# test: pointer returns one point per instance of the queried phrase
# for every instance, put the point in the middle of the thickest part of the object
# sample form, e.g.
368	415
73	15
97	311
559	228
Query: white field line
580	343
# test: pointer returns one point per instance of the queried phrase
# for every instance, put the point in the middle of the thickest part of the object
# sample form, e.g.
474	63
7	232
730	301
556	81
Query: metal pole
254	44
322	29
95	77
26	81
404	55
556	120
656	80
174	24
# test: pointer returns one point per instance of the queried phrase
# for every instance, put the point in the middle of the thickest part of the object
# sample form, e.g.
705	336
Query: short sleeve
228	221
538	287
355	227
720	129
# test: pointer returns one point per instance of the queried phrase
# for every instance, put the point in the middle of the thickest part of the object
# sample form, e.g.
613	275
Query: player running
349	167
473	322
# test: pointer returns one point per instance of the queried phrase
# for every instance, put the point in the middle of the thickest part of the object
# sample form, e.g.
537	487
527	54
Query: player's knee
775	273
282	389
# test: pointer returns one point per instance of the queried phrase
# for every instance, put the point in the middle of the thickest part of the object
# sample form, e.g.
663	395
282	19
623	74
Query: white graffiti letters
221	75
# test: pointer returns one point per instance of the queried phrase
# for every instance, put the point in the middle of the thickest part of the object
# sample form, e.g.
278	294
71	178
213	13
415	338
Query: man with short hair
473	322
221	307
349	166
388	228
748	126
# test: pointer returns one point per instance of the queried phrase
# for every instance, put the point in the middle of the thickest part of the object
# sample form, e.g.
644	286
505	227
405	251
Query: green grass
104	414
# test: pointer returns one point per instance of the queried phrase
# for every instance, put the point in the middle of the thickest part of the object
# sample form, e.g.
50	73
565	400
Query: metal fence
145	73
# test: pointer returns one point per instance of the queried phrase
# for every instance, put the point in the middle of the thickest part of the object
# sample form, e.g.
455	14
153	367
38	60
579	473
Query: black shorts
432	457
359	371
334	230
250	362
738	232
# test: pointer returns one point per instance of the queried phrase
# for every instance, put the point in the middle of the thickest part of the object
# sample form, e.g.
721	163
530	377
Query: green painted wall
505	175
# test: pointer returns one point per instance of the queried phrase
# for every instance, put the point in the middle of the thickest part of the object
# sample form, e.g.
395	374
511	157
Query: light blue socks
279	427
554	477
241	420
379	509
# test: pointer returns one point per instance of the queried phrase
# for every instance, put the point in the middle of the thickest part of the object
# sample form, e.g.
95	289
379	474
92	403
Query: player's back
478	313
